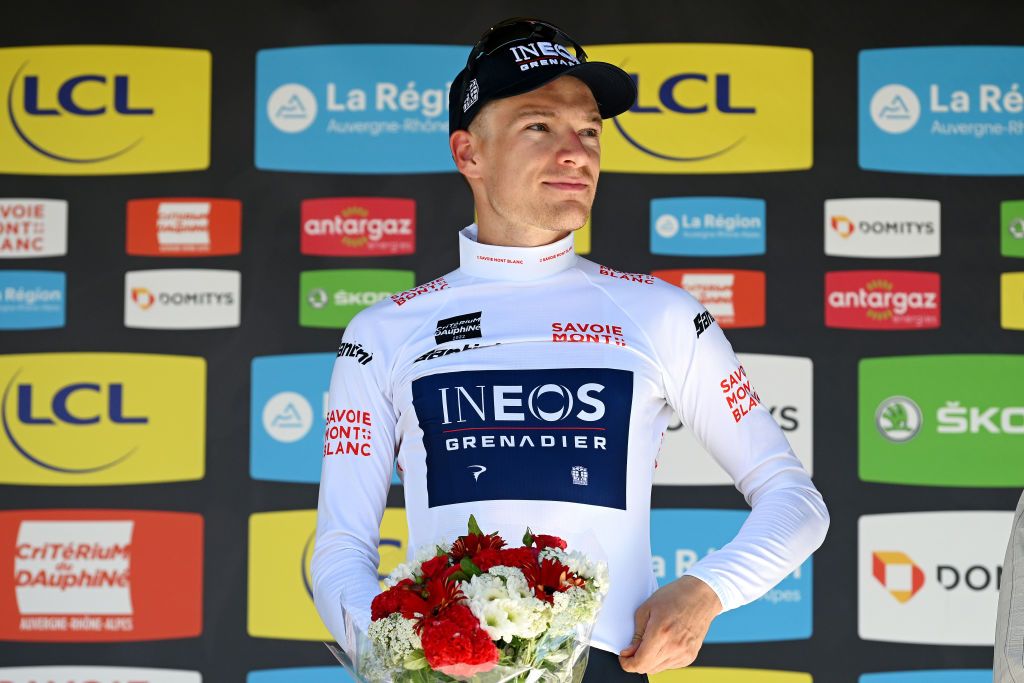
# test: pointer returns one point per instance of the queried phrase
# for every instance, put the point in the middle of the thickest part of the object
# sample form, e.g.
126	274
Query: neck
495	230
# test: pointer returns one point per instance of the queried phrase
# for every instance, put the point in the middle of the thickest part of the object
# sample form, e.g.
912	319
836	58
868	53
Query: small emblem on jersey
466	326
355	350
703	321
527	428
477	471
438	353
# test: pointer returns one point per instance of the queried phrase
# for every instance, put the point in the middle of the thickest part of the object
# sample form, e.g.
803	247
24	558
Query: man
531	387
1008	665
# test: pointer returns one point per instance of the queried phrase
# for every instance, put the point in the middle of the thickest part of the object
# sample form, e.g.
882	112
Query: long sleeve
359	451
714	397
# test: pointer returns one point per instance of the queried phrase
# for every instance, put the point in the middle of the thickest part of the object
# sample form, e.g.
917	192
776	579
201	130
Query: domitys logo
897	573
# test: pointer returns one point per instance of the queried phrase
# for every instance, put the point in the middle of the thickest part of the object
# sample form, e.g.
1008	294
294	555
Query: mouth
567	185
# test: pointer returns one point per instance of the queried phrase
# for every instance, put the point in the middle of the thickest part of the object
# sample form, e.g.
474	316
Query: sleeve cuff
728	598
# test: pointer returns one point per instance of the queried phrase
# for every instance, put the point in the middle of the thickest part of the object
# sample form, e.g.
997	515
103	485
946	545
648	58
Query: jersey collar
513	263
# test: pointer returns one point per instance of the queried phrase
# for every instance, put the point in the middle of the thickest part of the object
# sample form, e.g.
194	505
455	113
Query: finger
648	653
640	618
631	648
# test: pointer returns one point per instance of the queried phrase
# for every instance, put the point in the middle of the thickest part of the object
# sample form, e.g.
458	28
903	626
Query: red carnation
471	544
519	557
434	567
454	643
404	597
544	541
489	557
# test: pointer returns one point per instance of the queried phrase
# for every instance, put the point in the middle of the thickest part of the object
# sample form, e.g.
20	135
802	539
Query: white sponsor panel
871	227
785	385
95	674
71	567
930	577
31	228
185	299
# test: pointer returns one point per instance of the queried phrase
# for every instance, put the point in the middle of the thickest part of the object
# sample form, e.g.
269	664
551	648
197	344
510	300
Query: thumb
640	619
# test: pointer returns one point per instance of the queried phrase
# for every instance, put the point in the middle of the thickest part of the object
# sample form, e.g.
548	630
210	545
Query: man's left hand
670	627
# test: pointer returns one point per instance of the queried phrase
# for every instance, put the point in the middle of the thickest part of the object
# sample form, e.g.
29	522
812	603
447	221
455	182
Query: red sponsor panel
184	226
358	226
734	297
100	575
882	300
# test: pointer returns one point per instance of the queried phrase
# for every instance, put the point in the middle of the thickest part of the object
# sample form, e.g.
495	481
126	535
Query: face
533	159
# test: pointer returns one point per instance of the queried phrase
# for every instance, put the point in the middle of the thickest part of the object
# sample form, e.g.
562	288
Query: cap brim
613	89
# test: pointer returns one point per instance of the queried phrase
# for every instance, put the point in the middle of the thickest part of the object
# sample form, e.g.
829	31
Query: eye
539	127
590	132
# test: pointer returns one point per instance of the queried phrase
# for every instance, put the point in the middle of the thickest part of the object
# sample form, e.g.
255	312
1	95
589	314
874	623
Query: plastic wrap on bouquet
555	658
476	610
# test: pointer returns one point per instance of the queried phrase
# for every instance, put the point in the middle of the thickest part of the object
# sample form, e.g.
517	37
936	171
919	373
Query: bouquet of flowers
476	610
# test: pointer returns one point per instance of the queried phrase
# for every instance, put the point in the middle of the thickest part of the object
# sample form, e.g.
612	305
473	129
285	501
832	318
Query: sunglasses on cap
517	29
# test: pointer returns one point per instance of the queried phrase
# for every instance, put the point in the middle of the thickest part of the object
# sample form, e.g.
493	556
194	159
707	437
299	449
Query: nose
571	151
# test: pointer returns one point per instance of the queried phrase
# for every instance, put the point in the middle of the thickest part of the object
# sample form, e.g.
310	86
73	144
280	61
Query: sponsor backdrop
195	202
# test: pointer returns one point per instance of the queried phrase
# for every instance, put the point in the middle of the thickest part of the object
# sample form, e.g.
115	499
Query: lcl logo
69	98
720	93
713	90
62	413
66	96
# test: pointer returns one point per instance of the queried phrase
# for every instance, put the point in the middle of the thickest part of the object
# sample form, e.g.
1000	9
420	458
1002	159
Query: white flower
426	552
393	638
506	607
573	607
484	588
515	581
402	571
493	617
408	570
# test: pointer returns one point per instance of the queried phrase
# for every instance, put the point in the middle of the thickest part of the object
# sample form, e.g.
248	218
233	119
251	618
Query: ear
464	146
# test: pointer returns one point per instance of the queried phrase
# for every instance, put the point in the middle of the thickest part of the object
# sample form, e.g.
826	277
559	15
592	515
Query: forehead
563	96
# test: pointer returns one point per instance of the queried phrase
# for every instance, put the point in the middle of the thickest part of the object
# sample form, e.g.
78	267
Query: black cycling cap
519	55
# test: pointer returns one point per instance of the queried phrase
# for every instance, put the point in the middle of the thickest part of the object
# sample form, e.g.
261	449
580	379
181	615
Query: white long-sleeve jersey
531	387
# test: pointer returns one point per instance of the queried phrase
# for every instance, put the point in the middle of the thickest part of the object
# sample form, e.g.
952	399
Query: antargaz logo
733	108
92	110
882	300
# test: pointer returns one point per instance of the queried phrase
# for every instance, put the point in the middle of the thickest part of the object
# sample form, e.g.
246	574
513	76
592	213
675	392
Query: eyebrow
594	116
